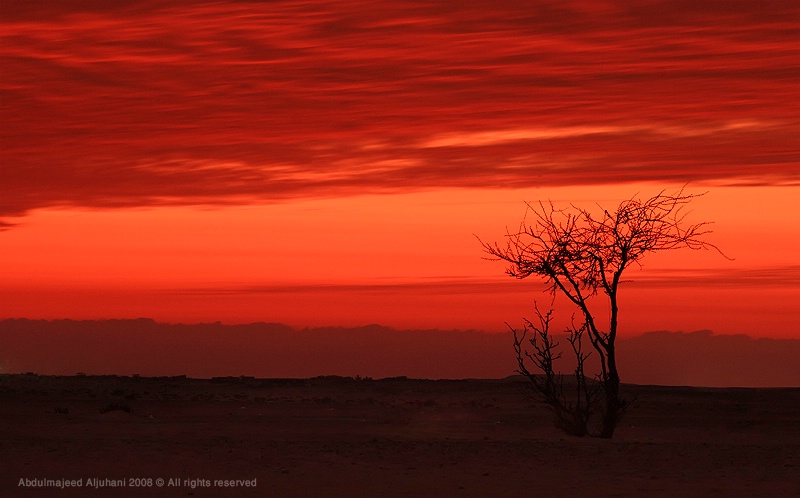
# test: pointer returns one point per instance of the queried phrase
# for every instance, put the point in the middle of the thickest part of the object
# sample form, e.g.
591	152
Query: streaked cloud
775	276
446	286
191	102
764	277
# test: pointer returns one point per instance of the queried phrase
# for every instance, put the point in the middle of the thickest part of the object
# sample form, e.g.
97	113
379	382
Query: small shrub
111	407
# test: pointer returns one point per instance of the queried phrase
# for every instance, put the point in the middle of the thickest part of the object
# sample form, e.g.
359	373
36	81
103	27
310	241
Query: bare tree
572	413
580	255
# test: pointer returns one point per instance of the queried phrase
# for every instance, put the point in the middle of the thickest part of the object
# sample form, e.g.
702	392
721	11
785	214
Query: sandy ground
339	437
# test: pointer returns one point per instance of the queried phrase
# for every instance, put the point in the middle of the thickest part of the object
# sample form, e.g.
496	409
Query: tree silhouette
580	255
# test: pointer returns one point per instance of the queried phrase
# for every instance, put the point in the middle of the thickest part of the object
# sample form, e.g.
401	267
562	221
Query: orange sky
328	163
404	260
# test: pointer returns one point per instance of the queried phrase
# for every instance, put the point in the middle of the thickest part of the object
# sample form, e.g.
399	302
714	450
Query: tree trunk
613	408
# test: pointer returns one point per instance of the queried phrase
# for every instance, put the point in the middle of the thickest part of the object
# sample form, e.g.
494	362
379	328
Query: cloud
767	277
272	350
704	359
128	105
437	286
764	277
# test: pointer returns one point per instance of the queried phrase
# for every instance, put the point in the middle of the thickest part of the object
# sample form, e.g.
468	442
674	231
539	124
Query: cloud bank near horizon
143	346
124	104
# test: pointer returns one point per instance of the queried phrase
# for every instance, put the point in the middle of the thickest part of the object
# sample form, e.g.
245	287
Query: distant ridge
268	350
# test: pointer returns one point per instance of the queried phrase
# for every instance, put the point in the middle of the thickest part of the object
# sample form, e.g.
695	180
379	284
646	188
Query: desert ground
398	437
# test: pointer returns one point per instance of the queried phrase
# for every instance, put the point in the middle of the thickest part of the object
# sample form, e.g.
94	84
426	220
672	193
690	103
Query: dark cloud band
121	105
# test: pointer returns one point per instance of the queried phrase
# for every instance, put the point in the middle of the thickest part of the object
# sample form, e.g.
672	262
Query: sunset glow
331	163
404	260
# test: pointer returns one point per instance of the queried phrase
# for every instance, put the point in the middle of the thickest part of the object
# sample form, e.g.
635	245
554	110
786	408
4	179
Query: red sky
327	163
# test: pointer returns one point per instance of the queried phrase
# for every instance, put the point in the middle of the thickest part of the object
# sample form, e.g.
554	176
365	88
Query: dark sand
338	437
